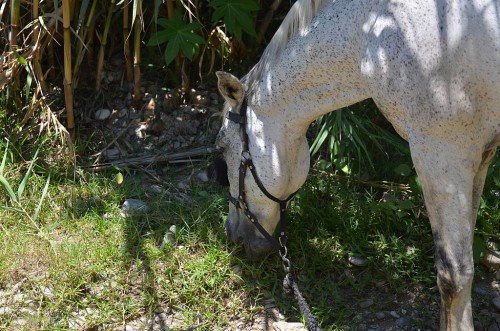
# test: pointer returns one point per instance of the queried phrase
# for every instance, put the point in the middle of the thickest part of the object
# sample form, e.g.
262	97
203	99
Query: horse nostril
217	172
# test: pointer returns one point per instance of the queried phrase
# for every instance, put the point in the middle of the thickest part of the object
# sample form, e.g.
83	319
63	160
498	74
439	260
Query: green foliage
236	15
179	36
351	138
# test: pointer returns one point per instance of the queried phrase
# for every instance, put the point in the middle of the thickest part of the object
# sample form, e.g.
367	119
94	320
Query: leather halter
240	202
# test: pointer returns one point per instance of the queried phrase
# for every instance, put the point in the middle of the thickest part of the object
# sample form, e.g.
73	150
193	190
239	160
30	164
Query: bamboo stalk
13	91
81	48
267	20
68	91
104	41
137	50
170	10
37	49
126	42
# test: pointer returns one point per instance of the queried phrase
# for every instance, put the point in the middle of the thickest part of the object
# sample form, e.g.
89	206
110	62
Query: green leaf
22	186
44	193
2	165
403	170
179	36
236	15
478	247
10	192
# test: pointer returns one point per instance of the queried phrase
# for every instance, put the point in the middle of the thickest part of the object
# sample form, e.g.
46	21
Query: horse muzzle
240	231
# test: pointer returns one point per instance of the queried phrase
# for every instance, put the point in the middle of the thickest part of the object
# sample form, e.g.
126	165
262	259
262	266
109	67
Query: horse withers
433	69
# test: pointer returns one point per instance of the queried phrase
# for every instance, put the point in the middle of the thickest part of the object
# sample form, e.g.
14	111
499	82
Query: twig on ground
179	157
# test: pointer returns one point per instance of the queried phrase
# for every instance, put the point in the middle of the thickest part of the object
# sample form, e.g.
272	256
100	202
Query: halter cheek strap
240	202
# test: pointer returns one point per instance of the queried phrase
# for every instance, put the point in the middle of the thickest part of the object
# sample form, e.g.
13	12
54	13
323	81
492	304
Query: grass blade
10	192
22	186
44	193
2	166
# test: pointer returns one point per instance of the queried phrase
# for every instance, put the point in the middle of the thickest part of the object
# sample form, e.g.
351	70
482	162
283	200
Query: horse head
253	138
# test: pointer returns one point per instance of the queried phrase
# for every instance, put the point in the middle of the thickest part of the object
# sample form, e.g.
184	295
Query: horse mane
298	18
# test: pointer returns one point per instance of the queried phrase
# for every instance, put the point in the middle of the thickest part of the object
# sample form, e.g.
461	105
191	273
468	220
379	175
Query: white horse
433	69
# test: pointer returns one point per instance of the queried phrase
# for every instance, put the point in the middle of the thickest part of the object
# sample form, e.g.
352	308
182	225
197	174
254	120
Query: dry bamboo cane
36	56
126	42
267	20
14	24
137	52
104	41
68	91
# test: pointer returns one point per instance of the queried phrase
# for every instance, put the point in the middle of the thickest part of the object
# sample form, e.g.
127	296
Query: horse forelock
298	18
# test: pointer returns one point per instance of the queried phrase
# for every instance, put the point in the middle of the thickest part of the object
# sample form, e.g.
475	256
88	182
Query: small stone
134	207
169	239
102	114
130	328
357	261
5	311
380	315
202	176
21	322
177	144
401	322
236	269
491	260
403	311
285	326
496	303
173	229
480	290
112	153
182	186
366	303
123	112
497	275
394	314
159	310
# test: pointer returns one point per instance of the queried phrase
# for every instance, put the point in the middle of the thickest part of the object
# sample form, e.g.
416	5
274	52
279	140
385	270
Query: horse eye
217	172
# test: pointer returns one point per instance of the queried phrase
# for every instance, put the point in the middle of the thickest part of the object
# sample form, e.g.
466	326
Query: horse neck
319	70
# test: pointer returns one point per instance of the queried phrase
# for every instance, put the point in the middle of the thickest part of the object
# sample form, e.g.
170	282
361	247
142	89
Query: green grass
83	254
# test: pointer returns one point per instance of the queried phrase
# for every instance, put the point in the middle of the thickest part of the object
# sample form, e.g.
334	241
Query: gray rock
394	314
112	153
131	328
285	326
496	303
5	311
202	176
357	261
401	322
134	207
102	114
497	275
380	315
366	303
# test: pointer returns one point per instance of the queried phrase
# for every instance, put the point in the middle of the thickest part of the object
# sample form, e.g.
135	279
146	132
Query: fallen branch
155	159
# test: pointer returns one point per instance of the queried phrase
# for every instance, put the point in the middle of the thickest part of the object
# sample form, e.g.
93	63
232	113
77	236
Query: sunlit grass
84	256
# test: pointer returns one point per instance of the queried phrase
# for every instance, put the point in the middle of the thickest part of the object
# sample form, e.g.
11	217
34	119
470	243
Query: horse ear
230	88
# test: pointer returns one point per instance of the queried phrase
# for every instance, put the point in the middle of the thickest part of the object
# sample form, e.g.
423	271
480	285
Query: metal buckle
246	156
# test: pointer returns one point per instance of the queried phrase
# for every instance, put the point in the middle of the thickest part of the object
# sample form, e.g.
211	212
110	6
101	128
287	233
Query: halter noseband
240	202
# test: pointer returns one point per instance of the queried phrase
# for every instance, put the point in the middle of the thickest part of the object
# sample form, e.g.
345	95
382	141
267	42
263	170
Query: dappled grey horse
433	69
